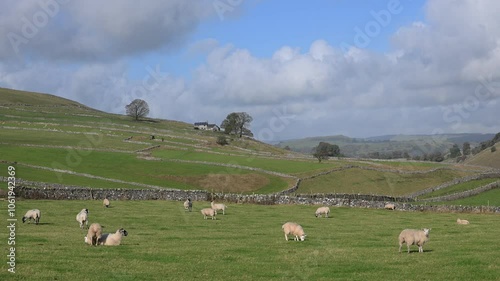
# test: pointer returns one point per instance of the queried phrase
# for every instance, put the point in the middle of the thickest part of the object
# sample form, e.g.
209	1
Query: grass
459	188
167	243
375	182
488	198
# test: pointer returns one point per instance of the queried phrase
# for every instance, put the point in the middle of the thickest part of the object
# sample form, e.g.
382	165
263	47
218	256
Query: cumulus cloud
442	74
95	30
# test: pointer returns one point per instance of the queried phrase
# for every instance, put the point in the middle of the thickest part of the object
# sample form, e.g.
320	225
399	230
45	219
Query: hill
487	157
57	142
414	145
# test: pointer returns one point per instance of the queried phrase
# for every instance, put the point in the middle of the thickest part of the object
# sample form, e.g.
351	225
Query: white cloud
443	73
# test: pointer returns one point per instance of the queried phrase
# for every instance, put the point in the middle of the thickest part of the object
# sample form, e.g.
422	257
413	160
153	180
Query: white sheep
414	237
83	218
34	214
390	206
208	212
322	210
459	221
188	205
113	239
217	207
94	234
105	202
295	230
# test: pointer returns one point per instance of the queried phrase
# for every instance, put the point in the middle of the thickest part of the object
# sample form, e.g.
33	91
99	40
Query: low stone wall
464	194
337	200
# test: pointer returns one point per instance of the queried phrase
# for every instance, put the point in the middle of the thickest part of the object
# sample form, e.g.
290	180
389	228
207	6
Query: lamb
390	206
105	203
188	204
208	212
113	239
217	207
294	229
459	221
32	214
322	210
83	218
414	237
94	234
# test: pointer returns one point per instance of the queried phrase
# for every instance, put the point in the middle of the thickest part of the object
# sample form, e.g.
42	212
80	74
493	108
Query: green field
167	243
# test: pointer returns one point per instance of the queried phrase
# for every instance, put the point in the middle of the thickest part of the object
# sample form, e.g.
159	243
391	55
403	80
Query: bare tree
137	109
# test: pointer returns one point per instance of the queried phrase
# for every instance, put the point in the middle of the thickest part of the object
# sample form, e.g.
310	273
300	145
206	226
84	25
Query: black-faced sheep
295	230
217	207
322	210
83	218
188	205
208	212
34	215
113	239
105	202
94	234
414	237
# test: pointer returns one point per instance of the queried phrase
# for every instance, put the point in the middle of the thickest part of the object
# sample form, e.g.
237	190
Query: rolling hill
412	144
57	142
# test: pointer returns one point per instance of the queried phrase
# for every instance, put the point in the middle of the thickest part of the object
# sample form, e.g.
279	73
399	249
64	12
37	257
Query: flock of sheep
95	237
94	233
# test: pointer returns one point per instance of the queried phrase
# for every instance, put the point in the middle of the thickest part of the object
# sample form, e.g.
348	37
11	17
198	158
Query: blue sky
299	68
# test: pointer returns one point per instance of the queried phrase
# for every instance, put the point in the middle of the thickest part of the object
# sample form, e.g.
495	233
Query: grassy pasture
167	243
376	182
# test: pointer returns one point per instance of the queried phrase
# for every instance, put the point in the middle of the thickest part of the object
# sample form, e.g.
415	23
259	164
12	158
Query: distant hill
388	144
16	97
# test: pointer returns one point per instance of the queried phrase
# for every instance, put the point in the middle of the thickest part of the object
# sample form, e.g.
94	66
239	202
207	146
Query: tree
137	109
237	123
466	148
455	151
221	140
325	150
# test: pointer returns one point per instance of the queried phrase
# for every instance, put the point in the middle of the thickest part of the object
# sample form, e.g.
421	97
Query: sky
299	68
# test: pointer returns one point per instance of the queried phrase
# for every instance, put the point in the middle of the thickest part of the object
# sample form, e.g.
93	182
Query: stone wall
337	200
464	194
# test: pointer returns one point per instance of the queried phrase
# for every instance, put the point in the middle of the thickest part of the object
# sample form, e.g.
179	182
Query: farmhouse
205	126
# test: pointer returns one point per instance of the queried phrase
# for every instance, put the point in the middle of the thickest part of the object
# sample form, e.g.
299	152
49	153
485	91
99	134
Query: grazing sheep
208	212
390	206
217	207
105	203
32	214
322	210
188	205
295	230
414	237
113	239
94	234
83	218
459	221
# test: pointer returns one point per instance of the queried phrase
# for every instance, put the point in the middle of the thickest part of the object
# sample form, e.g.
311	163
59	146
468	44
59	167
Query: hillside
414	145
57	142
486	158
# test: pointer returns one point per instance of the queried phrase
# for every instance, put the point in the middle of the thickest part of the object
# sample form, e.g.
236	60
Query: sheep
459	221
218	207
188	205
113	239
414	237
83	218
208	212
32	214
105	203
294	229
94	234
322	210
390	206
